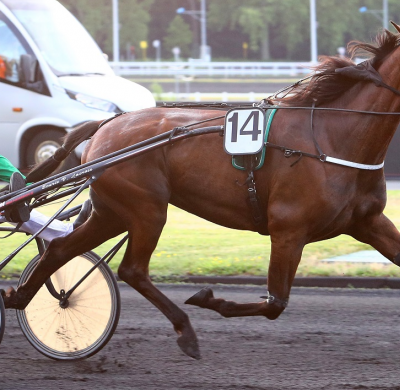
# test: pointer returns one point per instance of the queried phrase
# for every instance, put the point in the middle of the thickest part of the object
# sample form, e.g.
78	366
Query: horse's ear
396	26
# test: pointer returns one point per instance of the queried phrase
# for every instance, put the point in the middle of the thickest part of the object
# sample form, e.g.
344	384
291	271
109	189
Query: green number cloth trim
238	161
6	169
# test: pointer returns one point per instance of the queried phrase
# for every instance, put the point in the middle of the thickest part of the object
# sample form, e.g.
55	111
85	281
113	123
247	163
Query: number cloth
238	161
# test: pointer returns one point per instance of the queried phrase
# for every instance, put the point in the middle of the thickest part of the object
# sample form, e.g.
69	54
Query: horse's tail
71	141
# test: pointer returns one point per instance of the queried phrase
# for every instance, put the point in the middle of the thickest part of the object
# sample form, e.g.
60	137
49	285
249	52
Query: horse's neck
366	137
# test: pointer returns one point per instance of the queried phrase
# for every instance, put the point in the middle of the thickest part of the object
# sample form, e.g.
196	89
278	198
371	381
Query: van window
10	53
63	42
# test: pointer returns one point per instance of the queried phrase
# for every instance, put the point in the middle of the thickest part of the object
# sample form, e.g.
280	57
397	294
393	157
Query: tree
134	21
178	35
96	16
162	12
274	29
261	20
281	29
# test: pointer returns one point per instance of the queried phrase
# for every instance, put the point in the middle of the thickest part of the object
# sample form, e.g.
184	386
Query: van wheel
43	146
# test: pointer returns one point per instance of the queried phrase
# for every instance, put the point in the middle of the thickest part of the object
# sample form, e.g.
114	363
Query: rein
263	104
322	156
363	72
288	152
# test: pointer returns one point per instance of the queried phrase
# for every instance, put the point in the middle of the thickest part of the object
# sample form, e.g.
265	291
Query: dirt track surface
326	339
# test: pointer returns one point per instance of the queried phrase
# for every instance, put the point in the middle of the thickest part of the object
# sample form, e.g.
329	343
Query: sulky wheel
2	318
82	325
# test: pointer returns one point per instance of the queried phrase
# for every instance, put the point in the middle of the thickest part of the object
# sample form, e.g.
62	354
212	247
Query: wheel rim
45	150
82	324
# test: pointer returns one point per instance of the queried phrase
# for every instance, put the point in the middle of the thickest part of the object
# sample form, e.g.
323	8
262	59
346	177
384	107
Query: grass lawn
192	246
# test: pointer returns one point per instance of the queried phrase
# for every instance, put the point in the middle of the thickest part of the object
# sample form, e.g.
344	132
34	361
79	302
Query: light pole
313	31
157	46
115	31
382	15
202	17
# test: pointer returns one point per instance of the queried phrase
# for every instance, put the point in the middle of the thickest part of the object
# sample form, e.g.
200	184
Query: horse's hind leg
144	233
98	229
285	257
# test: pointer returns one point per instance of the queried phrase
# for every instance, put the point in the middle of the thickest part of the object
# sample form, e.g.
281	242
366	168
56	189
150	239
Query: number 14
254	115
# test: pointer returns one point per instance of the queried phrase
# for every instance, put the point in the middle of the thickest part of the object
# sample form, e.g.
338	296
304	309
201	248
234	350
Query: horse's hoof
190	347
201	298
10	298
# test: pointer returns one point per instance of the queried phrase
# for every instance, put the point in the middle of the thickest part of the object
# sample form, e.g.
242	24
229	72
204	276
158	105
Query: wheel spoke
86	324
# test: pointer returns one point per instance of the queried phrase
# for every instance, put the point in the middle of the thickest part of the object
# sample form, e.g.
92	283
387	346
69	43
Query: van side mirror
28	66
30	74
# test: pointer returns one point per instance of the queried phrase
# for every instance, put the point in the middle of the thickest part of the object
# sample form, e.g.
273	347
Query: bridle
362	72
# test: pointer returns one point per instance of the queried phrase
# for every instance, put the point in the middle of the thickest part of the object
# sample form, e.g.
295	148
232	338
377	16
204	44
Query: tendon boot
84	214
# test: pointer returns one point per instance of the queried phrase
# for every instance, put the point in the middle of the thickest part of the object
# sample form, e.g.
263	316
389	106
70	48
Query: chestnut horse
301	203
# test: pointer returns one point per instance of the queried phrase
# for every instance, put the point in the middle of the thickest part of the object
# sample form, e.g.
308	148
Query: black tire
2	318
86	325
43	145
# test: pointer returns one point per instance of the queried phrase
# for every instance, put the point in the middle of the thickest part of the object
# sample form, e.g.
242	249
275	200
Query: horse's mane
326	85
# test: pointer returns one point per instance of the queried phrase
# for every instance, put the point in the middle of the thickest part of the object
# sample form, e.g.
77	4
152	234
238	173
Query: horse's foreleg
143	238
379	232
285	257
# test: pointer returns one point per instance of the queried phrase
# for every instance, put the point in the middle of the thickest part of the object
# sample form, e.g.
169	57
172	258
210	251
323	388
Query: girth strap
252	199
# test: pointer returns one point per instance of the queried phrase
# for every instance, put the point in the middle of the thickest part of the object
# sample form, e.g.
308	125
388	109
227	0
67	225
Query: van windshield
64	43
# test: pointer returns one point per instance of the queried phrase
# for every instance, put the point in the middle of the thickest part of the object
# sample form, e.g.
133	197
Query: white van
53	77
